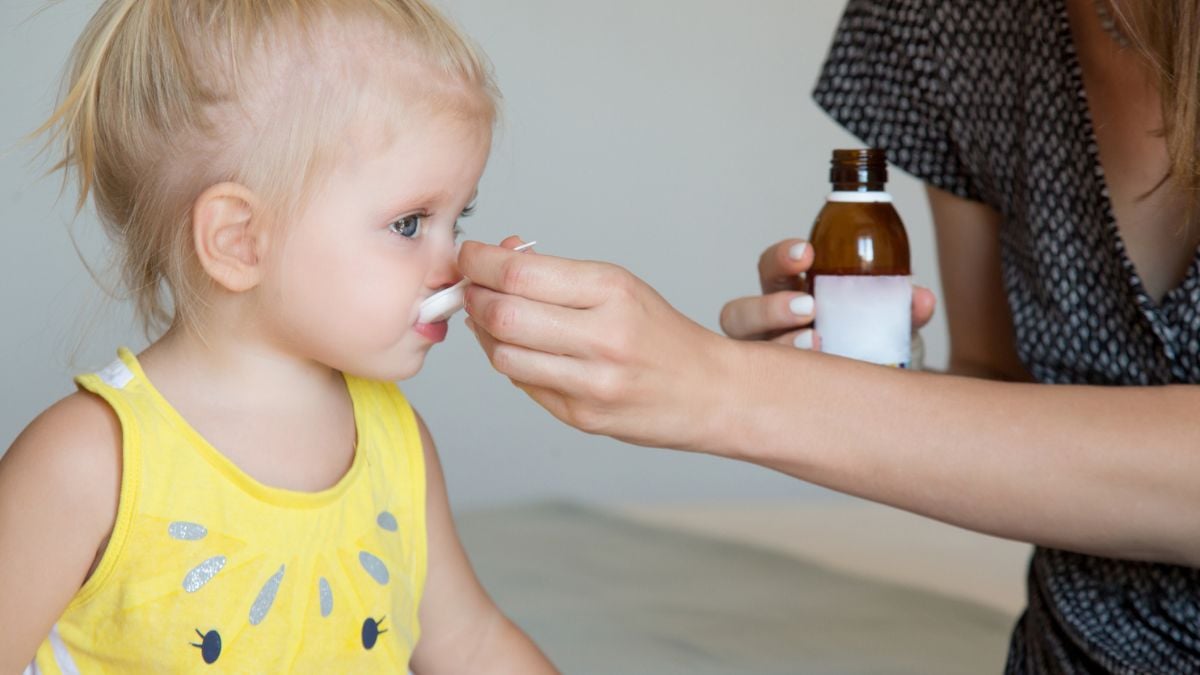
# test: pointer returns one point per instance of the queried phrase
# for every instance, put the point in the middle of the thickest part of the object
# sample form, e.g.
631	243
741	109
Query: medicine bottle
861	275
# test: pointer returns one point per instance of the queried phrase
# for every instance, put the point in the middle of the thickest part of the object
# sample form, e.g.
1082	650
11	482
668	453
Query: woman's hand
596	346
784	312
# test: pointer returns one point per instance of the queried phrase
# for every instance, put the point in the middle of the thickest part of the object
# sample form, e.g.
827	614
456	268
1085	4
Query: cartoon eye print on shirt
210	646
198	577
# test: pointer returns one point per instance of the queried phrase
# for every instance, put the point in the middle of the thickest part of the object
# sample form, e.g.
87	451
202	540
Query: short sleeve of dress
880	81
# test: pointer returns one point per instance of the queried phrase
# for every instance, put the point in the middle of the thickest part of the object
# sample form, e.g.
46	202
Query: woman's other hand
784	312
596	346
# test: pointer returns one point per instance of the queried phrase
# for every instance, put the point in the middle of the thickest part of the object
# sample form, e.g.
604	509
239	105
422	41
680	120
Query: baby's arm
59	485
462	630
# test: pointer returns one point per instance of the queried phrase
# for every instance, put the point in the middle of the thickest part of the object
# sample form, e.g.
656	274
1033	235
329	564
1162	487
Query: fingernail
802	305
804	340
797	251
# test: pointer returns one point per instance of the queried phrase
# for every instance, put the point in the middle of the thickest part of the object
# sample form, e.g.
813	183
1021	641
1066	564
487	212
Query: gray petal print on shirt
374	566
326	594
387	521
262	604
203	573
185	531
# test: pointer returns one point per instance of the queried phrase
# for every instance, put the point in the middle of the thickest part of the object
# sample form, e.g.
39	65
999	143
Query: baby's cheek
376	316
360	302
313	312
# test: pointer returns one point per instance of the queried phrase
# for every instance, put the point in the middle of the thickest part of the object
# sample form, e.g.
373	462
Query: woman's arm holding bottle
1108	471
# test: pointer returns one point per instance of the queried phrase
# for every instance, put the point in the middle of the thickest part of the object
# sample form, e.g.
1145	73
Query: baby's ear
229	233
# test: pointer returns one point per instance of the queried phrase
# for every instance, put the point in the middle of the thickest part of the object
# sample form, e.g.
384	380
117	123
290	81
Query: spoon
445	303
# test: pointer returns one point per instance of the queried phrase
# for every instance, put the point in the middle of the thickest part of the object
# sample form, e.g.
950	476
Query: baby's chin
390	370
406	373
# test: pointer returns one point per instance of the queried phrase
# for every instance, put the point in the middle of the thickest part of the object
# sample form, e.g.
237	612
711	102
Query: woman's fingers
511	241
554	402
764	317
528	367
624	366
534	325
924	304
557	281
758	316
807	339
781	265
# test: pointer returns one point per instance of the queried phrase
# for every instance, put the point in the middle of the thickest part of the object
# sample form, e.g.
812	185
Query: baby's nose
444	271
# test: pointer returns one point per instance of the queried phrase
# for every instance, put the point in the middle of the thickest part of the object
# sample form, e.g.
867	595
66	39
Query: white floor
863	538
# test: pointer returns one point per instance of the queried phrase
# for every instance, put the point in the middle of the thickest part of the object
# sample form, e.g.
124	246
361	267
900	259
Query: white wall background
674	137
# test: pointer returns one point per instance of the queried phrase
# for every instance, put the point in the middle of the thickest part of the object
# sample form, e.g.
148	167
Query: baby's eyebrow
428	198
409	204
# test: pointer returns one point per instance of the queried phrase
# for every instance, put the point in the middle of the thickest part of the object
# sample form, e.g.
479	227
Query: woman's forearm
1110	471
1107	471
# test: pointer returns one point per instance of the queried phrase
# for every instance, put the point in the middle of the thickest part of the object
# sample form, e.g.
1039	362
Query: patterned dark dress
985	99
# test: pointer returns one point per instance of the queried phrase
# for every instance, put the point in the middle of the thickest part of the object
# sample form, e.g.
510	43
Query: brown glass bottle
861	274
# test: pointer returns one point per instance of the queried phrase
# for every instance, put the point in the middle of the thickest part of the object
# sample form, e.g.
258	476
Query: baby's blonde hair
165	98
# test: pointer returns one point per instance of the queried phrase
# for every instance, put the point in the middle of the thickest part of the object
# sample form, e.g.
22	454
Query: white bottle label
868	318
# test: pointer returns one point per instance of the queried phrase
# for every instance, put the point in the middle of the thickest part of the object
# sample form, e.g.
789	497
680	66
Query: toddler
283	181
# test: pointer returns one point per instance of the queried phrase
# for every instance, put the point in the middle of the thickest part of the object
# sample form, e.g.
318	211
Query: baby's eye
408	226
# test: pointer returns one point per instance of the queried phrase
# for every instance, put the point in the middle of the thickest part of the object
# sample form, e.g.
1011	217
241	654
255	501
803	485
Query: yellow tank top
210	570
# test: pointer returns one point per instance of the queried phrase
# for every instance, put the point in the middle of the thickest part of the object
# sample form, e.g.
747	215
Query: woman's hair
1167	33
165	98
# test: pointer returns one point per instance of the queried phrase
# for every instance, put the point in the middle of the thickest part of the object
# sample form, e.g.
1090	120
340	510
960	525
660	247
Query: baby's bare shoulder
71	453
80	428
59	487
